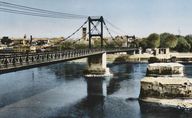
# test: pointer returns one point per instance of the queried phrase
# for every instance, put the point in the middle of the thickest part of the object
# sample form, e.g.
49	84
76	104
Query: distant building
84	33
157	51
20	41
21	48
161	51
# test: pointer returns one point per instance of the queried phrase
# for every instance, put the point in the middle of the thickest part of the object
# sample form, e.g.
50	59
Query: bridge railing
18	60
15	60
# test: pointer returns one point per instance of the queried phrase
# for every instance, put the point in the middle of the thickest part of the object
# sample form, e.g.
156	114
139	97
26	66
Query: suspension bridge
96	26
96	57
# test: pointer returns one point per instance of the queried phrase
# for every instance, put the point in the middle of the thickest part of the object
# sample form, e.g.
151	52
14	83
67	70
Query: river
60	90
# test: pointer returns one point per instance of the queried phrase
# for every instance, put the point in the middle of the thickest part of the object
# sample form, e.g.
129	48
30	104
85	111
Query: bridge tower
93	26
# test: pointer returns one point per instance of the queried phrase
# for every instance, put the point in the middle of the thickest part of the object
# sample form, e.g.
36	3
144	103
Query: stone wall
166	87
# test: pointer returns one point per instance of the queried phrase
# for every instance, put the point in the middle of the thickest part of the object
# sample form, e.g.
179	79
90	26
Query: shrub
153	60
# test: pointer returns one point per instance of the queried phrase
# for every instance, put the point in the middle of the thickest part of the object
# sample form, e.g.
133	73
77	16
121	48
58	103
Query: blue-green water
61	91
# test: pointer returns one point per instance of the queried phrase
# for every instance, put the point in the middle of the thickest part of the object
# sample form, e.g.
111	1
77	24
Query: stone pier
97	74
97	61
97	66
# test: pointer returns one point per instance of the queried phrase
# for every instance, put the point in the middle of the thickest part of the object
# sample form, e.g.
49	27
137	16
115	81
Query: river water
60	90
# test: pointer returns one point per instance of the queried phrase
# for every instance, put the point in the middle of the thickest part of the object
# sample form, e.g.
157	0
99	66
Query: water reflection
67	71
90	107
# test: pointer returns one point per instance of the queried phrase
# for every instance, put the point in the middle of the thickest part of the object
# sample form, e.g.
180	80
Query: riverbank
125	58
185	58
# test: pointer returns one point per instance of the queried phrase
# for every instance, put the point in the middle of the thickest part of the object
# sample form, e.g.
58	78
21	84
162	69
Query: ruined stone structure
165	84
166	87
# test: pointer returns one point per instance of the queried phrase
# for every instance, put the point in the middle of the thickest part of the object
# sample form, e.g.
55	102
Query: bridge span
15	62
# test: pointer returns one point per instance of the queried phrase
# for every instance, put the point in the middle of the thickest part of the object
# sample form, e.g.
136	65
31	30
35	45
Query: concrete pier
97	75
98	61
97	66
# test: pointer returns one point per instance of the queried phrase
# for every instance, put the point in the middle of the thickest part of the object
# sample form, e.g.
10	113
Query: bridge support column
97	61
97	74
97	66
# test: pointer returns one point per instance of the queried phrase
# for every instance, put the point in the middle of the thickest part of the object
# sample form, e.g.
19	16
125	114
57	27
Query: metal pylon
93	27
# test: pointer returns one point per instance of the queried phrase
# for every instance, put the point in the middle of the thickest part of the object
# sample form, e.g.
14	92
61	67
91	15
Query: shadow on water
101	107
90	107
68	70
107	107
119	75
125	73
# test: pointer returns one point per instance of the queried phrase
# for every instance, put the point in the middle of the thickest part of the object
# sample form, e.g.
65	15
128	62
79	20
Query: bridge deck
15	62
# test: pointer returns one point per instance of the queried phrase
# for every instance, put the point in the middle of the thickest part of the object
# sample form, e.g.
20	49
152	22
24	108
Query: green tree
6	40
153	40
189	40
80	46
163	37
143	43
66	45
182	45
111	44
168	40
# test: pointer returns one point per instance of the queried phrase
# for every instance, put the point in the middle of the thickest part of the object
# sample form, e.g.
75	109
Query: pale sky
134	17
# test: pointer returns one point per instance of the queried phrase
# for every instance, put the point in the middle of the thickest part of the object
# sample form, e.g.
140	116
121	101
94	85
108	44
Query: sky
133	17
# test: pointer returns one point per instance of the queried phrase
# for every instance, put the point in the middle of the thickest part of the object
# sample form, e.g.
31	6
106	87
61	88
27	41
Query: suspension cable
75	31
86	33
110	34
25	10
114	26
32	14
